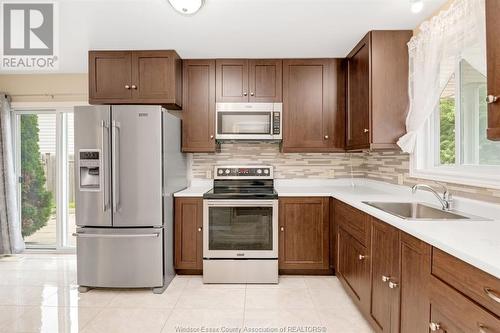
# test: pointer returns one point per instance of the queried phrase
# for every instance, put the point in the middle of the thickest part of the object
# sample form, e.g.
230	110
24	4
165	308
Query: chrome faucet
445	200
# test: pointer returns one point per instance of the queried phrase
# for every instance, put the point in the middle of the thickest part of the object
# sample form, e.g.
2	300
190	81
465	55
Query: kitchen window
44	166
452	146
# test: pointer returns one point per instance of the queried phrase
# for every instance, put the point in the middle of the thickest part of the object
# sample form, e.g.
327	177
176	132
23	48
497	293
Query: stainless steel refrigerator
128	164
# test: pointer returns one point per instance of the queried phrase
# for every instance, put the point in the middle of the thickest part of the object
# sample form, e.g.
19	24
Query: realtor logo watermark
30	36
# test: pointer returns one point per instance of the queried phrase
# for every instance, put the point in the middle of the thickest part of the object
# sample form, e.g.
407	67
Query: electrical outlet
209	174
331	173
400	179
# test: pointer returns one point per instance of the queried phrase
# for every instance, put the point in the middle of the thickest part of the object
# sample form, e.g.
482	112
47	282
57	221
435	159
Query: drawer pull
434	327
385	278
393	285
199	229
482	328
361	257
492	294
82	235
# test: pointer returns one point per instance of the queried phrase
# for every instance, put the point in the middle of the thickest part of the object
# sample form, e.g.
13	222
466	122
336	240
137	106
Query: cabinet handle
492	294
385	278
134	86
490	99
282	228
434	326
361	257
127	86
366	130
482	328
393	285
251	94
326	137
211	136
199	229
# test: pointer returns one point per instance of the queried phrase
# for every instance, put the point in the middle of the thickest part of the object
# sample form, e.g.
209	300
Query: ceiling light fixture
416	6
187	7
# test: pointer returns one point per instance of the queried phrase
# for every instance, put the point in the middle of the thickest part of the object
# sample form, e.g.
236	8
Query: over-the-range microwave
248	121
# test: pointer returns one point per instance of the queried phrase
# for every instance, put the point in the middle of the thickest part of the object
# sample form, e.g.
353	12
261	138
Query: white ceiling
228	28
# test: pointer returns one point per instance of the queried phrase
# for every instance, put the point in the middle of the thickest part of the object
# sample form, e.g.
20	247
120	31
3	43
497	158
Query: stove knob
266	171
227	171
221	171
259	171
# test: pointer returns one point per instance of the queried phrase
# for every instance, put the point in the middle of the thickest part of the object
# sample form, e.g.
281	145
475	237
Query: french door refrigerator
128	164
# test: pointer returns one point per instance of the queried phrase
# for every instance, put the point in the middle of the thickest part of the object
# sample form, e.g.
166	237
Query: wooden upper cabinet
265	80
493	64
304	233
358	87
377	90
110	75
313	117
243	80
385	281
232	80
198	111
188	223
135	77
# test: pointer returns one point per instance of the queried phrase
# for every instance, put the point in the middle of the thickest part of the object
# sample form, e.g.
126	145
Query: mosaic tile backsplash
392	167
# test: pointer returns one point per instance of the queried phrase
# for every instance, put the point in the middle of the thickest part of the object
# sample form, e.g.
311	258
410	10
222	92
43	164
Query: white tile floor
38	293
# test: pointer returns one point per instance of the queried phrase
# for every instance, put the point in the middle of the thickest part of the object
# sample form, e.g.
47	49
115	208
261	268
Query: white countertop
475	242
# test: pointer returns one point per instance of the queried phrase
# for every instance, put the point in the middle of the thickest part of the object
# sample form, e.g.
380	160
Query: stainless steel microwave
248	121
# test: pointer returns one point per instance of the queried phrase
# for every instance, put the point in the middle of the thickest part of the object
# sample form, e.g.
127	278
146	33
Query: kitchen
192	182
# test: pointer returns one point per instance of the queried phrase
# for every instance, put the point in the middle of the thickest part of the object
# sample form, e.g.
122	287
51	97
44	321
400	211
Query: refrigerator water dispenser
89	167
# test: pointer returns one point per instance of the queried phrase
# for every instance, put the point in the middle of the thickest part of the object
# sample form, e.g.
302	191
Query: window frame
425	161
60	109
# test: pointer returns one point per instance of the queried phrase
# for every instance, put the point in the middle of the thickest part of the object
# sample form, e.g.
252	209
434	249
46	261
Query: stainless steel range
240	226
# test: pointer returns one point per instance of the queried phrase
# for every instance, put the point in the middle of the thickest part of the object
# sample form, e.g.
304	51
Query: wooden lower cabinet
188	224
385	280
353	268
414	277
304	234
451	312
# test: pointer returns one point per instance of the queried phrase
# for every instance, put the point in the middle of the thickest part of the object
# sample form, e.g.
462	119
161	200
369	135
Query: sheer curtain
455	34
11	240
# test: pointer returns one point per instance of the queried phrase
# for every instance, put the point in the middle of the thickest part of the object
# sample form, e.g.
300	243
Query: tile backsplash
389	166
286	165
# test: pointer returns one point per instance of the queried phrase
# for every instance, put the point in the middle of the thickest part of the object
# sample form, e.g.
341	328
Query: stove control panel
239	172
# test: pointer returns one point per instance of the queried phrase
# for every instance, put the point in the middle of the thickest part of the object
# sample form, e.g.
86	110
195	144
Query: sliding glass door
43	142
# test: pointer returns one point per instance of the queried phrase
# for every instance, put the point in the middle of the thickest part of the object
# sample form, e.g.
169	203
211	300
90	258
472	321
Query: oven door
240	229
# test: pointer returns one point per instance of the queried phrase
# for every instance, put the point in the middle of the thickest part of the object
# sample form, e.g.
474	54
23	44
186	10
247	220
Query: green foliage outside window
447	130
36	201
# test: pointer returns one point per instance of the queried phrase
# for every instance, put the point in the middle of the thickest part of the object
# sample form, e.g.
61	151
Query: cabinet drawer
454	312
354	221
478	285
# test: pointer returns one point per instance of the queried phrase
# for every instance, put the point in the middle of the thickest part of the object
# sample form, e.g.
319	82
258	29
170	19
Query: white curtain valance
452	35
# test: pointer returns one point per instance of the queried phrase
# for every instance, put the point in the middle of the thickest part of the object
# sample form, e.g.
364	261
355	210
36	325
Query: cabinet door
414	278
384	307
198	106
310	110
188	233
353	267
493	64
154	76
265	80
358	96
304	233
232	80
110	75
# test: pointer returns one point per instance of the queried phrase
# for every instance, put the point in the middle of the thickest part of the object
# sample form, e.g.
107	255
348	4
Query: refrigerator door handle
82	235
104	136
115	169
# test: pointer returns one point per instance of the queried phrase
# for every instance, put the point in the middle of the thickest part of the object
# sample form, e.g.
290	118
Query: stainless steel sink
418	211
